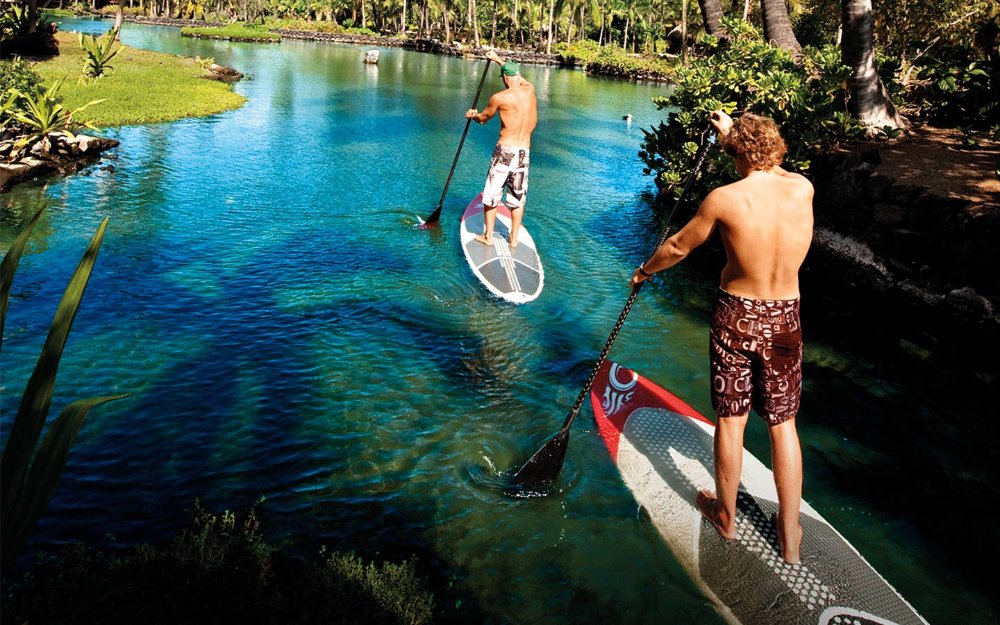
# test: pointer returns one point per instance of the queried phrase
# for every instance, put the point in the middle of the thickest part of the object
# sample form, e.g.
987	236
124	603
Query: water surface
283	330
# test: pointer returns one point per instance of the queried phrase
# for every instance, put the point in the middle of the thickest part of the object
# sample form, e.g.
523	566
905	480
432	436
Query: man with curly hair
765	220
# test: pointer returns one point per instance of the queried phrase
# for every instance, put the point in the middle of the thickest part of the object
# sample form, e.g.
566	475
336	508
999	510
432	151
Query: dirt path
934	158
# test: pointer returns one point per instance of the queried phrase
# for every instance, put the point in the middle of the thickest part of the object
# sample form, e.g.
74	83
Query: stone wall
928	262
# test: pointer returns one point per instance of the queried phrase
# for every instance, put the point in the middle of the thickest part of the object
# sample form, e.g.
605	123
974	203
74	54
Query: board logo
619	391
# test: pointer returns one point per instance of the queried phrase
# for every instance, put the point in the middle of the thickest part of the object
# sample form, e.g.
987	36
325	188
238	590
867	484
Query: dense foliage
18	74
219	569
744	73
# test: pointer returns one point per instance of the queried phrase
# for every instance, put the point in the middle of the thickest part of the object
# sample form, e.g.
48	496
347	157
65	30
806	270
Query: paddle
432	221
544	466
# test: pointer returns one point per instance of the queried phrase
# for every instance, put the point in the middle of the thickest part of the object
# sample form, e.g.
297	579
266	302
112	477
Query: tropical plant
99	51
42	114
29	470
745	73
17	21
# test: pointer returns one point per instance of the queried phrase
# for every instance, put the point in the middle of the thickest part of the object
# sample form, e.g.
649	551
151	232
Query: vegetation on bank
219	569
825	96
144	87
234	32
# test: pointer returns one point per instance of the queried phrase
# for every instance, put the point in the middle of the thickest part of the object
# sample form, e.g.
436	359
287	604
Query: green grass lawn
142	87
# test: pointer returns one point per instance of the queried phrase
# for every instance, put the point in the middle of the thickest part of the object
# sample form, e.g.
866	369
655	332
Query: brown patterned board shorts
756	356
508	170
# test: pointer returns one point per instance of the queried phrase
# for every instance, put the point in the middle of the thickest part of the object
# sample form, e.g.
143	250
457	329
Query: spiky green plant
29	469
99	51
43	114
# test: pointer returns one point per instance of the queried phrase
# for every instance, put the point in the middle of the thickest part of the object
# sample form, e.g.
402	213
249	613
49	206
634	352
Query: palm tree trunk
777	27
684	32
493	28
711	13
552	9
868	100
119	16
402	22
473	13
447	22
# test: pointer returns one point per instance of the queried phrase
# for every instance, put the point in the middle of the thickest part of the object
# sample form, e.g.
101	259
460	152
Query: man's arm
676	248
493	56
491	109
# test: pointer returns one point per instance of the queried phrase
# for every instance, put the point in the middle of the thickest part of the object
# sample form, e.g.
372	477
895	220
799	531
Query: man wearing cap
518	109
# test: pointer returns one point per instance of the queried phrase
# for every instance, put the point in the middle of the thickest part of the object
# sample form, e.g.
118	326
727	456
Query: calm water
284	331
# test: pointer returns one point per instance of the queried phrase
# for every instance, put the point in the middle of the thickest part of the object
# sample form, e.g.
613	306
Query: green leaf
34	408
9	266
42	478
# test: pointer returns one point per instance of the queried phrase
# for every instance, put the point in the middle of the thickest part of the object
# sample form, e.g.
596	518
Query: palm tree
869	102
711	13
777	26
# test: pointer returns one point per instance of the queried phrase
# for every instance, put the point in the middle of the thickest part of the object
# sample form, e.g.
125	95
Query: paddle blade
432	220
544	466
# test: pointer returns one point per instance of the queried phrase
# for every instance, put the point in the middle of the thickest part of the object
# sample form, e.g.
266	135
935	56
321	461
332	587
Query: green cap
510	68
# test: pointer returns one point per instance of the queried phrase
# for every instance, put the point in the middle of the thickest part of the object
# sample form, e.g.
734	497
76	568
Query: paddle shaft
437	211
699	158
545	464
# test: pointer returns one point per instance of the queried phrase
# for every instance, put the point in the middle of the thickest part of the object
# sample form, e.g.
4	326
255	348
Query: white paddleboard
512	274
663	449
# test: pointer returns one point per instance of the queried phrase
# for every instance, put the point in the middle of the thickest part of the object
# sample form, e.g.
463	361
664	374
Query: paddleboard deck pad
664	451
514	274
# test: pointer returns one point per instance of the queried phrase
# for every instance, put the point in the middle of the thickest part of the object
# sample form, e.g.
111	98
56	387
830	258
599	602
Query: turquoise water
284	330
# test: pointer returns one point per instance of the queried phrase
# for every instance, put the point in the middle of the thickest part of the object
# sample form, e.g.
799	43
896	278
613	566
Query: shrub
613	61
18	74
219	569
579	52
955	88
806	99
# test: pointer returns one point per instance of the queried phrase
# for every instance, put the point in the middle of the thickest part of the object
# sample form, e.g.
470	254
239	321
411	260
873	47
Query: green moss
142	87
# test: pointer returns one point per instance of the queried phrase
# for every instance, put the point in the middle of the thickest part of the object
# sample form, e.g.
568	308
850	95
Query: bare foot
513	242
709	508
790	553
485	240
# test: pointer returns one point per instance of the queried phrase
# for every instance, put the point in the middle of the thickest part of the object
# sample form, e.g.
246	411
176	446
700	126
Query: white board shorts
508	170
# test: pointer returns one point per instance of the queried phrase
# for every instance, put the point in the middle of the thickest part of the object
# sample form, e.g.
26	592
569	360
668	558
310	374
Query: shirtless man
766	224
518	109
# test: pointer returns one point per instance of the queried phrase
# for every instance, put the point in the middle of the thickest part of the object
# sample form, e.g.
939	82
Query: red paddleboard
664	451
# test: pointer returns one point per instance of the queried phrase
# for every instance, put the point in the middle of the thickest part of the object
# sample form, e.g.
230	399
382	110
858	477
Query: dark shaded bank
901	268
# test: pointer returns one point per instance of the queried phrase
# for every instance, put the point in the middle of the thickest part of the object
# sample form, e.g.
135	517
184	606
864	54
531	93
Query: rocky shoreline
58	153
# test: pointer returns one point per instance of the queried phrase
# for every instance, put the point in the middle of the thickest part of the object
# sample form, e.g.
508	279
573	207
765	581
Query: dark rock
969	304
888	214
222	73
877	187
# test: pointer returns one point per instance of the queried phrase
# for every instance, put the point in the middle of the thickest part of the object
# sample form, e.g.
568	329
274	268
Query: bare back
766	224
518	107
